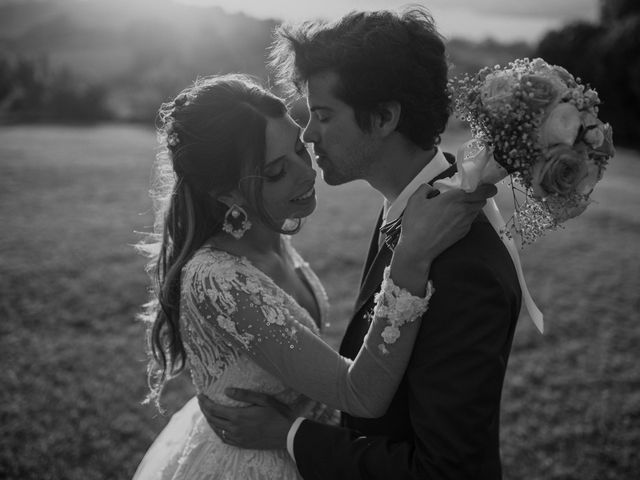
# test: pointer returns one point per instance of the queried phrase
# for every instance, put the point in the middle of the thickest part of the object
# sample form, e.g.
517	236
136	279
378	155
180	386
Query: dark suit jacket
443	422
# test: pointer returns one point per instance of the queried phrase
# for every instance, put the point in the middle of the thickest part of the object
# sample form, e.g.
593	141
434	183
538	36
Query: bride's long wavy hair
211	141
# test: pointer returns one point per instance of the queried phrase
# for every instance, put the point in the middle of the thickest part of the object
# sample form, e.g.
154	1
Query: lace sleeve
260	319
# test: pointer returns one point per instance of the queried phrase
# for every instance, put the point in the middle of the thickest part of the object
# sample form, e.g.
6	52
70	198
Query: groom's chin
333	179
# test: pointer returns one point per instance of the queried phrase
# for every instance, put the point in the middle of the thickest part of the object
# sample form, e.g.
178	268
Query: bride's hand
431	225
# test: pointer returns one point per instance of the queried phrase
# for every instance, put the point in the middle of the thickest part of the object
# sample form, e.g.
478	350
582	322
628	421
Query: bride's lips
307	195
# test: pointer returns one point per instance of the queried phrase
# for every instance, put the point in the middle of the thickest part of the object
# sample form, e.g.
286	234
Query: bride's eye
277	176
275	171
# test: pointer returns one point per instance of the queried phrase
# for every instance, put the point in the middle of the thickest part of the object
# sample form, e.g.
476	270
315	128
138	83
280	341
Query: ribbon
476	165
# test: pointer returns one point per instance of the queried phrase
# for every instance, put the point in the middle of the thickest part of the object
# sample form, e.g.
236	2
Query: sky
504	20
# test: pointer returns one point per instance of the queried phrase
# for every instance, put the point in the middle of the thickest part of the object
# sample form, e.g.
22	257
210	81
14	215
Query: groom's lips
319	152
321	157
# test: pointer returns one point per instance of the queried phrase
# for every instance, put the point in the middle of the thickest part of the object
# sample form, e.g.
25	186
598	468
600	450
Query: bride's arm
250	312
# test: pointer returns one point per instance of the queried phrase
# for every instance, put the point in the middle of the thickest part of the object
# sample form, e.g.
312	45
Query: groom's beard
342	170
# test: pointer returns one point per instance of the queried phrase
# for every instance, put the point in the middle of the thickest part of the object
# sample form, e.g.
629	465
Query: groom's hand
262	425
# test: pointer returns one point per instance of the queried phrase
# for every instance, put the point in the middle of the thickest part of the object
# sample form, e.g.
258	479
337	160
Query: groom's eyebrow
319	107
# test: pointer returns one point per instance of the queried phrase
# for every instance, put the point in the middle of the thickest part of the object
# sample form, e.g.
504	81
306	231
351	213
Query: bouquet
539	124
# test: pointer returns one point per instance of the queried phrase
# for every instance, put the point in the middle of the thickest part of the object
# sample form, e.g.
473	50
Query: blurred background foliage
116	59
75	61
607	56
86	61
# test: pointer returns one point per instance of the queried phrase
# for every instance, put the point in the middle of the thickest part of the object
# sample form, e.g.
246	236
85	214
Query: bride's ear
386	118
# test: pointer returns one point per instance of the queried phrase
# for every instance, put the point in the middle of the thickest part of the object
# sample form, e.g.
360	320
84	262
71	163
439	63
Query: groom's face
342	149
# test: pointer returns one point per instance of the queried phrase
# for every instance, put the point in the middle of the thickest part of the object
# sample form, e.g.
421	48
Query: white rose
497	89
594	134
594	137
561	126
561	172
593	176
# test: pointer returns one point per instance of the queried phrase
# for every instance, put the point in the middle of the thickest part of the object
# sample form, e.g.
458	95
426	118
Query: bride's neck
258	241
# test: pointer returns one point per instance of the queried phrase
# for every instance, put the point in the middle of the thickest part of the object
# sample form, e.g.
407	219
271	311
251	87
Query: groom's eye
301	148
322	118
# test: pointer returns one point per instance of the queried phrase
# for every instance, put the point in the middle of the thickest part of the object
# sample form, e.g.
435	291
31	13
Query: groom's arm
455	381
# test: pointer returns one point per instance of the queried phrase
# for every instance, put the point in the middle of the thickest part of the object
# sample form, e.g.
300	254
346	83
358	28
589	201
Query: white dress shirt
437	165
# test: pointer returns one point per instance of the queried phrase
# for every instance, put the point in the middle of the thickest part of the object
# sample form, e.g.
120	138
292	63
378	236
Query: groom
375	85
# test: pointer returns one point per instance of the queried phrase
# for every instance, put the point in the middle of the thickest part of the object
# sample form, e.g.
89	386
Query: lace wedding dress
241	330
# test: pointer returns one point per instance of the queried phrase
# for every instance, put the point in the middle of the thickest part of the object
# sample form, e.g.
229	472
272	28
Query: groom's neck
397	167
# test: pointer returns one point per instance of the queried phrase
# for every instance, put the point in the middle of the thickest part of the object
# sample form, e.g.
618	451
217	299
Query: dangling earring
237	215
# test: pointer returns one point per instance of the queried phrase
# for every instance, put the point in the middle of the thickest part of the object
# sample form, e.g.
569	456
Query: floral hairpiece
173	138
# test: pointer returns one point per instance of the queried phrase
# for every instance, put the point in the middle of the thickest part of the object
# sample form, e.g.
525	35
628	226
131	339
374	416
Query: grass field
71	285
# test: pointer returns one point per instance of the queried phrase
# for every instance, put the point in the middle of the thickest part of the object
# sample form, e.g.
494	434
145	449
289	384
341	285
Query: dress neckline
298	266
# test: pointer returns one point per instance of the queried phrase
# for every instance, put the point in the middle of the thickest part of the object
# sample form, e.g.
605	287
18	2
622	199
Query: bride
235	303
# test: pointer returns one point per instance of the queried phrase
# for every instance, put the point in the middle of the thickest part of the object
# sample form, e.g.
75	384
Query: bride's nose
310	133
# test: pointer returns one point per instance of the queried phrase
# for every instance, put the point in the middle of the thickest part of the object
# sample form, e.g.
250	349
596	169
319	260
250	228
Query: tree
606	56
612	11
573	47
30	90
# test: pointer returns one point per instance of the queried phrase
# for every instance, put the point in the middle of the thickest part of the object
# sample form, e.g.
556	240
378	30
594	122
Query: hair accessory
238	216
181	100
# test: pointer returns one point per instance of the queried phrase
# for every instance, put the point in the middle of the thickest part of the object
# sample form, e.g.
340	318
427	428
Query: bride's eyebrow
275	160
296	139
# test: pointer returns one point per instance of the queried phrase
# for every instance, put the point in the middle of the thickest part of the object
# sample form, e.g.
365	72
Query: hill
141	53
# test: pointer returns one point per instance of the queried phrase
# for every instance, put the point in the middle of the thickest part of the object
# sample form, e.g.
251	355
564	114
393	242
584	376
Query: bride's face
289	180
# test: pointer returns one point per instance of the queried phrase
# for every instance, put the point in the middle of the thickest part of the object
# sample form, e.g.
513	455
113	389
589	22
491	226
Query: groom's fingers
213	410
480	195
486	190
425	191
217	423
248	396
259	400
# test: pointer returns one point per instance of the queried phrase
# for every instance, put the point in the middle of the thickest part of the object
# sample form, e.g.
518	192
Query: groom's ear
386	117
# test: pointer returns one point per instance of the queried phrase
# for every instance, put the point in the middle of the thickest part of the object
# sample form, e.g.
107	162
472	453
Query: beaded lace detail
241	330
218	286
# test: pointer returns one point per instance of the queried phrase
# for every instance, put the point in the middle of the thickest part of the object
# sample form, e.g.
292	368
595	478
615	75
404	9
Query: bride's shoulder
209	262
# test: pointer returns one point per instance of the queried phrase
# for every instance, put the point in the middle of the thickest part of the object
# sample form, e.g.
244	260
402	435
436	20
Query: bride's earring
236	215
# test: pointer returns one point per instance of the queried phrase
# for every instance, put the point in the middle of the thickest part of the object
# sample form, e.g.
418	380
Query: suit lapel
372	275
373	250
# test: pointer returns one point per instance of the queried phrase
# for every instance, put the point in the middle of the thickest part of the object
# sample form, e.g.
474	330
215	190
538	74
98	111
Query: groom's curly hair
379	57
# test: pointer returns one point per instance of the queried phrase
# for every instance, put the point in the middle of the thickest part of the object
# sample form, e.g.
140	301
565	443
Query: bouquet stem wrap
476	165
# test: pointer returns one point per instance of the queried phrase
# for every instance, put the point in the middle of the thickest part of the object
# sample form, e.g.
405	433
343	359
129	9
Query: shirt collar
435	167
